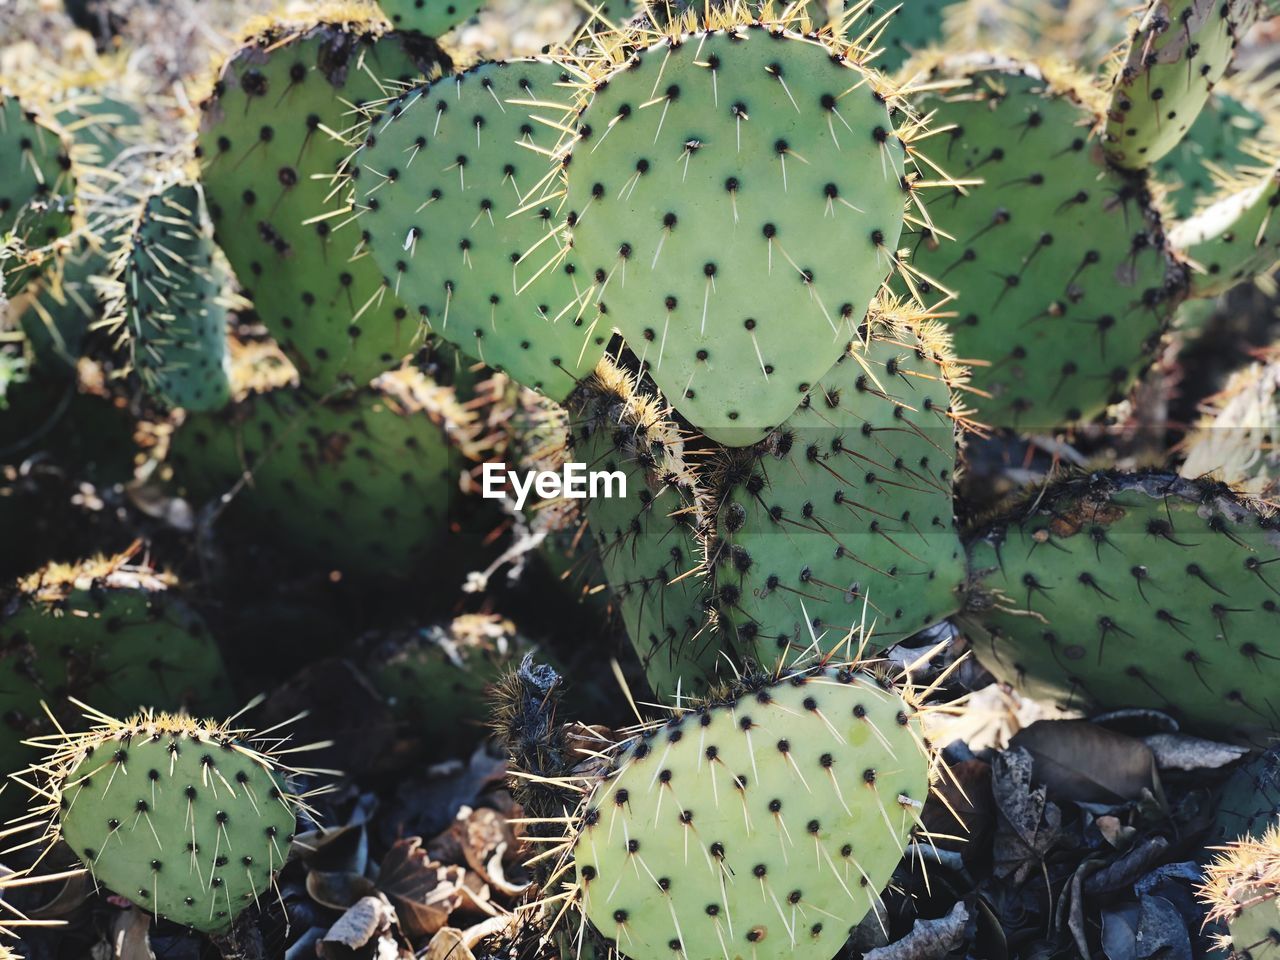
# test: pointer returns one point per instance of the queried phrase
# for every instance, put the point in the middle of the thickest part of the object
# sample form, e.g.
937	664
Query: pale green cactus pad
1233	240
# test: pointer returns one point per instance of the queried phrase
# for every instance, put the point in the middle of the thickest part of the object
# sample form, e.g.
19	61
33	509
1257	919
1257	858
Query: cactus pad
440	177
1141	590
761	825
184	818
735	199
1178	51
1233	240
1242	888
1234	442
172	300
36	195
431	18
847	504
1062	278
273	137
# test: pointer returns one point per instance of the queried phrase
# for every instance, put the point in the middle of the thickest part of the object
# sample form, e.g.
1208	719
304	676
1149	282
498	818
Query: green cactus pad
1234	442
272	140
1177	53
36	197
1235	239
1142	590
841	520
1062	277
432	18
106	631
183	818
62	305
362	483
763	825
735	199
172	300
435	679
1242	889
1228	136
442	173
1250	800
646	541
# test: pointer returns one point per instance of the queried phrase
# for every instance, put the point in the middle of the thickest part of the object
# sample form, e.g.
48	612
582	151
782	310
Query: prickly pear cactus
1233	240
105	630
363	482
735	199
1242	889
1235	440
1134	590
272	142
171	300
435	678
36	198
1177	53
1062	277
431	18
1250	800
841	520
185	818
763	823
647	539
441	180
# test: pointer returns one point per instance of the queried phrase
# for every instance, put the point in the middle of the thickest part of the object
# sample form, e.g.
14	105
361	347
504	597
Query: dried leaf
1081	762
1174	751
424	892
928	939
339	890
368	918
448	944
131	935
1028	824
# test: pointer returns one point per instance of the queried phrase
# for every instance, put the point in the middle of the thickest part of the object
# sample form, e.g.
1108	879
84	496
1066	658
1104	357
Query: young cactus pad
36	194
172	301
440	181
842	519
1141	590
735	199
1178	51
761	825
273	139
1233	240
431	18
184	818
1061	275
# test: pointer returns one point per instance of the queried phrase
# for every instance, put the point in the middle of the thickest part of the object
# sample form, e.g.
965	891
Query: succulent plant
1242	888
272	144
1235	239
1131	590
1235	440
763	822
432	18
189	819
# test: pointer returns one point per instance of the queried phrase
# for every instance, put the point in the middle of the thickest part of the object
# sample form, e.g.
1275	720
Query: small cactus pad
841	520
1228	136
181	817
362	483
1177	53
1250	799
107	630
439	179
172	301
735	200
272	140
36	192
1233	240
1143	590
1059	267
763	825
1242	889
646	540
1235	440
62	304
435	678
431	18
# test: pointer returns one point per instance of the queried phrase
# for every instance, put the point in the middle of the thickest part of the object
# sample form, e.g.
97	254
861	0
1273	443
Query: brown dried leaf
448	944
928	939
1081	762
424	892
339	889
368	918
1028	824
131	935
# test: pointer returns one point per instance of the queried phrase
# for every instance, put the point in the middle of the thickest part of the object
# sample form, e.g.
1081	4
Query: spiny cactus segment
1242	889
762	823
1061	276
841	520
1235	239
109	629
736	189
272	142
646	541
36	197
171	300
188	819
1135	590
441	181
431	18
1177	53
1235	440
